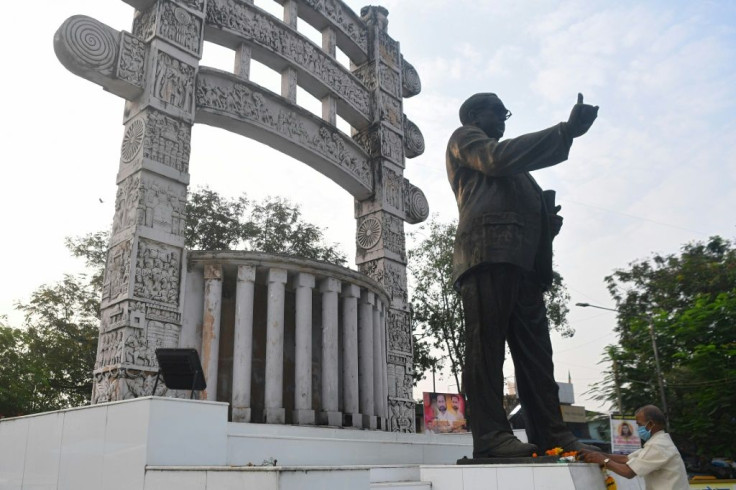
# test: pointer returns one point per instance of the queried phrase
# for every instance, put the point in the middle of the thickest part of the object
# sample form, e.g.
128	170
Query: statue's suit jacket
503	218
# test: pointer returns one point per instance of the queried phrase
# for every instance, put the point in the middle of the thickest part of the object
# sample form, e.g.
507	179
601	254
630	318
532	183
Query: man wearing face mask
658	462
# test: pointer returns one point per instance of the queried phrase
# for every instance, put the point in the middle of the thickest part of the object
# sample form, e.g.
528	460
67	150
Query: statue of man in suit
503	265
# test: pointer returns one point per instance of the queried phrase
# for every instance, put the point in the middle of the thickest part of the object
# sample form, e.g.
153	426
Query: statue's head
486	111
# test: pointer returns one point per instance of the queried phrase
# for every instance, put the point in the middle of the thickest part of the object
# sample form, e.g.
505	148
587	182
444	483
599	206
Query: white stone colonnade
289	340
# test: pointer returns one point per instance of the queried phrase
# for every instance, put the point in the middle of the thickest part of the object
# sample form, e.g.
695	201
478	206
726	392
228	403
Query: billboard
624	437
444	413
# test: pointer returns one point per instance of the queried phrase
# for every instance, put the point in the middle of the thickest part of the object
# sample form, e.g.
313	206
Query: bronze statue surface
503	265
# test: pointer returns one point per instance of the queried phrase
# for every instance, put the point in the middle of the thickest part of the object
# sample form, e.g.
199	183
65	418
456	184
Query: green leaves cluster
439	327
274	225
690	300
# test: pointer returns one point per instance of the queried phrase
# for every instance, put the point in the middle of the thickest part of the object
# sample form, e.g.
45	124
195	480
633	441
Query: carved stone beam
113	59
280	47
229	102
349	28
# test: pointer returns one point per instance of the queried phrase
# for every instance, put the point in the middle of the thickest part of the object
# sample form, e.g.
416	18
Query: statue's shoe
576	445
509	448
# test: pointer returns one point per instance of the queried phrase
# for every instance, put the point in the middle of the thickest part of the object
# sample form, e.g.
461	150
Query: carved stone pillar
351	388
154	69
330	414
381	247
211	327
303	412
243	343
274	404
365	361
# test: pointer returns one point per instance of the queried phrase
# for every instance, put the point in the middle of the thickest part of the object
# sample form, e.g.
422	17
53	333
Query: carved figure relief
132	60
395	281
372	270
369	232
392	146
394	239
162	205
144	24
389	80
368	140
413	139
157	272
342	18
273	34
402	416
197	5
391	112
174	82
247	102
181	28
117	271
389	50
366	73
126	204
399	331
167	141
393	191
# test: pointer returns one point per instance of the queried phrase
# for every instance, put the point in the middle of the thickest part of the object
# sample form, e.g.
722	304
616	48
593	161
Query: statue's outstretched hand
581	117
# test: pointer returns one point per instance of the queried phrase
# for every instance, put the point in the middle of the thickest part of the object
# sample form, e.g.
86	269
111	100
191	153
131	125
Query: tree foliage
690	300
439	327
274	225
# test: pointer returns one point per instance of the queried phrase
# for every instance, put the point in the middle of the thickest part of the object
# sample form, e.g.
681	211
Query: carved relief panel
157	272
156	137
167	20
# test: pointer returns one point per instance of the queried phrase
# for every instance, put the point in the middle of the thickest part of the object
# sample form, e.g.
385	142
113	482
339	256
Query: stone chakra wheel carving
133	140
91	42
369	232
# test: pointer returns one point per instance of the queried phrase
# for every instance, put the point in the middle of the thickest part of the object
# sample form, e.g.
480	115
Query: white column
350	387
211	327
243	343
274	407
329	103
377	362
365	361
384	368
289	76
242	61
303	412
330	354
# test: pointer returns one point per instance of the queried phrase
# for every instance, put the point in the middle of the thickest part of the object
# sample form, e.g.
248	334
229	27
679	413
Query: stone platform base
166	444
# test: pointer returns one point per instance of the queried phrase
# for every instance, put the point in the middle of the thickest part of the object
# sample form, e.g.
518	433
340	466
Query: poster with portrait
624	437
444	413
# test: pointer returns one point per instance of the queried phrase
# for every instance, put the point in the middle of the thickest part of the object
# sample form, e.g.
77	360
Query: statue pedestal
169	444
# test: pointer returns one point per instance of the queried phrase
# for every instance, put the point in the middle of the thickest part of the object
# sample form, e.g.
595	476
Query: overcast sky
655	171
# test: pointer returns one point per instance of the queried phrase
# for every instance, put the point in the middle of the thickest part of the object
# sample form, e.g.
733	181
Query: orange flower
555	451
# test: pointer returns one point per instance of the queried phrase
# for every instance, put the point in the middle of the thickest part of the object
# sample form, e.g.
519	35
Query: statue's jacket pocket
502	231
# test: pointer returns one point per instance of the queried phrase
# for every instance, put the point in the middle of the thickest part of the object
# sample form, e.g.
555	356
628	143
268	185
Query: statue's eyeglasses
505	115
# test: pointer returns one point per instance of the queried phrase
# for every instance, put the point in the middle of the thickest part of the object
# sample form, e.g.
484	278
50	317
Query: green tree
689	301
274	225
439	327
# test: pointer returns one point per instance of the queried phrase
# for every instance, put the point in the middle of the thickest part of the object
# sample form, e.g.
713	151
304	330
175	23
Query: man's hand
581	118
